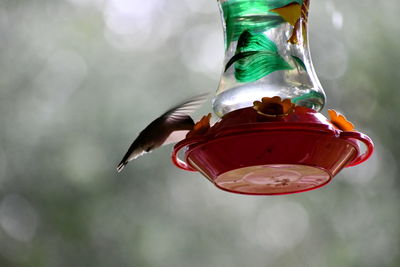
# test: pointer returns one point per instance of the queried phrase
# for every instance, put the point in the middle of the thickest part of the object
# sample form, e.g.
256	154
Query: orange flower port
339	121
274	106
201	127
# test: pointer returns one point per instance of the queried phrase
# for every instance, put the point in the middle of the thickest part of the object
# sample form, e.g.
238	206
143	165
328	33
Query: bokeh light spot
18	218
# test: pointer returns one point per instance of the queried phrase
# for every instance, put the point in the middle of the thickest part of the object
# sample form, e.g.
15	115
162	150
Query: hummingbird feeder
271	138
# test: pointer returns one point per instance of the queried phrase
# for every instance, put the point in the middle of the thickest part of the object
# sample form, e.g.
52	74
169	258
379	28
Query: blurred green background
80	78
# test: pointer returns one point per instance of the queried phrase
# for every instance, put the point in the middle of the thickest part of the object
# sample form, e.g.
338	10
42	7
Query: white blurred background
80	78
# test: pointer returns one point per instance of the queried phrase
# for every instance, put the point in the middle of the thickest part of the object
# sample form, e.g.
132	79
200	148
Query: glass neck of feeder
266	55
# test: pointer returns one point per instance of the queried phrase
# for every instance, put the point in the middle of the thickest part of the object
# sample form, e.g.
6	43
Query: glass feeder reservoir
271	138
266	54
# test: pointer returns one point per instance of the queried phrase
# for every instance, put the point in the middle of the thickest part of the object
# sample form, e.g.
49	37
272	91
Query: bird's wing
177	114
182	110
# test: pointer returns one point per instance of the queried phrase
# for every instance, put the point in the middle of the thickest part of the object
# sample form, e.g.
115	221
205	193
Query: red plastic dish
248	154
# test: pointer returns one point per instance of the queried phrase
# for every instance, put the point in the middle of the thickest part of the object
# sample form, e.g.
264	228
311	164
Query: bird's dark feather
154	135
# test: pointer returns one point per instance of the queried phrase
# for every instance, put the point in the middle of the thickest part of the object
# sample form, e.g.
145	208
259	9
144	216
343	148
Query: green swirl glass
266	55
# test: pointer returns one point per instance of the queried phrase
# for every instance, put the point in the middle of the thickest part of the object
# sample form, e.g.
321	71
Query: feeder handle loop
367	142
177	161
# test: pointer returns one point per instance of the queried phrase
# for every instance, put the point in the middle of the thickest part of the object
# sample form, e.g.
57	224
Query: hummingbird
170	127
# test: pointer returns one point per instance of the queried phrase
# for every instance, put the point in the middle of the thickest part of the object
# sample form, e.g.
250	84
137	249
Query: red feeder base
248	154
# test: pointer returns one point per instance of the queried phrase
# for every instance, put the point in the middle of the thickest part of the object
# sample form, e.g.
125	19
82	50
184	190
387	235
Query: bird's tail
121	166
